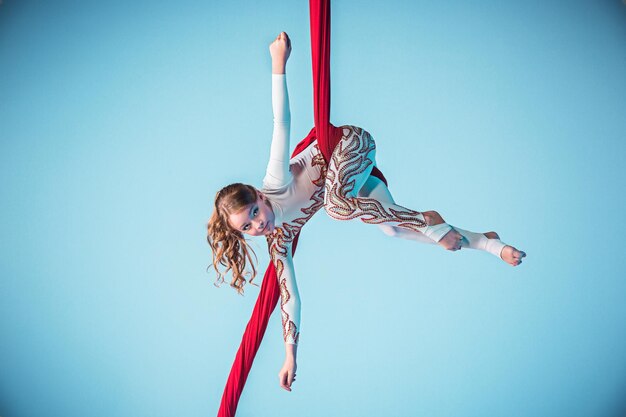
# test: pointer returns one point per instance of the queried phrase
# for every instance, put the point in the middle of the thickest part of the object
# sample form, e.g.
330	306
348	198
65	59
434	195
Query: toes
518	254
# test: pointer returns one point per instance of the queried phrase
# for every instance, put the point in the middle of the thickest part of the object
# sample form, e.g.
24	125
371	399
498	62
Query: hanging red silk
327	137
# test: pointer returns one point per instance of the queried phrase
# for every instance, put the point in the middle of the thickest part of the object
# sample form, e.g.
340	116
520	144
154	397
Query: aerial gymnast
294	189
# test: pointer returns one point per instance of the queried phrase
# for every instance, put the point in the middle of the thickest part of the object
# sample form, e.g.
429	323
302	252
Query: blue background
120	120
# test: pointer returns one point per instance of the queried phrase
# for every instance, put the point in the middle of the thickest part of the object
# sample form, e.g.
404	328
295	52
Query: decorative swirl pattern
351	164
279	243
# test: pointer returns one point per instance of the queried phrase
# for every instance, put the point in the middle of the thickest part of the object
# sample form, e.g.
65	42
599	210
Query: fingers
283	379
283	36
286	379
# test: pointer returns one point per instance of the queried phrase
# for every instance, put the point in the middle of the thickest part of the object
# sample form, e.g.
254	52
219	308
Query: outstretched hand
287	374
280	50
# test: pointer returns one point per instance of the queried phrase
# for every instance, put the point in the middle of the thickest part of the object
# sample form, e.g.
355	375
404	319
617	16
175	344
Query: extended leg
375	188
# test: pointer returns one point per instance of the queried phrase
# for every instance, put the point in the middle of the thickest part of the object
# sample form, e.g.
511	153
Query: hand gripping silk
327	137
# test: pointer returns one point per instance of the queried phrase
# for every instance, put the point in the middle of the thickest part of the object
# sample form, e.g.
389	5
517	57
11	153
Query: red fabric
319	13
327	137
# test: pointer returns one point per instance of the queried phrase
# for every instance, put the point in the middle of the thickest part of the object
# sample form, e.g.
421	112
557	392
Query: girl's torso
297	201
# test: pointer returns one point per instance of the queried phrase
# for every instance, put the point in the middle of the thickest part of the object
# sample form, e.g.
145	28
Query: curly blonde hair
230	248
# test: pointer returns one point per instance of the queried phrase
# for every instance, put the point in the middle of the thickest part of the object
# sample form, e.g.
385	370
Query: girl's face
255	219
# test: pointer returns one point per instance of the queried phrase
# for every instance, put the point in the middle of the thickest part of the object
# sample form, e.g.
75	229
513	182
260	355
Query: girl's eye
246	227
255	212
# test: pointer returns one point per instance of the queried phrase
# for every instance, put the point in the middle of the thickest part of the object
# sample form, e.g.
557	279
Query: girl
295	189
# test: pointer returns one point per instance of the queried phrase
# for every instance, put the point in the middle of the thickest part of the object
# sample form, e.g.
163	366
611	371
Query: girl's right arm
277	174
289	310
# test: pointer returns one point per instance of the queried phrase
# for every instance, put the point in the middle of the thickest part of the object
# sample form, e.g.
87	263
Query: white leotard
297	188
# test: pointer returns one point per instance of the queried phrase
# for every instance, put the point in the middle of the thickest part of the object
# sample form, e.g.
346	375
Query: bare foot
512	256
509	254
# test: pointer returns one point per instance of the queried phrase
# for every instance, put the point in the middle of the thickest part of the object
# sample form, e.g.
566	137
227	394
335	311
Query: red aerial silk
327	137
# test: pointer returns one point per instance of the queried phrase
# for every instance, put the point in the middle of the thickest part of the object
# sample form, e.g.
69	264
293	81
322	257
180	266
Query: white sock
481	242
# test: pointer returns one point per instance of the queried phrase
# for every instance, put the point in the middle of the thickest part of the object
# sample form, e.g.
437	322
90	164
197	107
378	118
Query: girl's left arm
278	174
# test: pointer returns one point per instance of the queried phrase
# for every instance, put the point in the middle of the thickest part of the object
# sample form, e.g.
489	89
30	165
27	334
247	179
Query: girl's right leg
488	242
376	189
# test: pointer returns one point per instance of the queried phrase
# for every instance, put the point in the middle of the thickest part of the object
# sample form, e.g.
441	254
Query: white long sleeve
278	174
